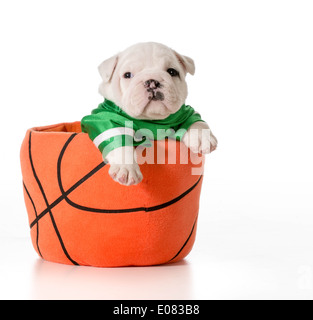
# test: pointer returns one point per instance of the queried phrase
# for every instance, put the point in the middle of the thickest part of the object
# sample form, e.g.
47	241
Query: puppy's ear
107	68
187	63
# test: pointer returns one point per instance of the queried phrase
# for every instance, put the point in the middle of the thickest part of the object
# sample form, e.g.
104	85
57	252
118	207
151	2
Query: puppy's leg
123	166
200	139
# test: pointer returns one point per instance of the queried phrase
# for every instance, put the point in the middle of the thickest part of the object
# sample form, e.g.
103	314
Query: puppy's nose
152	84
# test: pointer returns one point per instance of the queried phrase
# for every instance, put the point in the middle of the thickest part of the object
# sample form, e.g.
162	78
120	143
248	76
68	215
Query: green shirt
109	127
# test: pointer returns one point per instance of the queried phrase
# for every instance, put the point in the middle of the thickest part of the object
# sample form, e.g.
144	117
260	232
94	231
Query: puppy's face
147	80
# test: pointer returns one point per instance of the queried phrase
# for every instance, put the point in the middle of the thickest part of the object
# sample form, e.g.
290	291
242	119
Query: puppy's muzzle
152	87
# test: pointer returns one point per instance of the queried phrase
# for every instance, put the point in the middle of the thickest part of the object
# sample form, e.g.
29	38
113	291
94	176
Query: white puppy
147	81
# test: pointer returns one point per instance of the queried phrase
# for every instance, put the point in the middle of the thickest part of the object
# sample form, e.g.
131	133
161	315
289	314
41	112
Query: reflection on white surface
56	281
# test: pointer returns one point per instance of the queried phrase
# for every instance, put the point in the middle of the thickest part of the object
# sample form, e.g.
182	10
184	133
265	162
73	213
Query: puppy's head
147	80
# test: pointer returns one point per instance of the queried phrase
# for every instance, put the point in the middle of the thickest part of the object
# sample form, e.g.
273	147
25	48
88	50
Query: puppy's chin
155	110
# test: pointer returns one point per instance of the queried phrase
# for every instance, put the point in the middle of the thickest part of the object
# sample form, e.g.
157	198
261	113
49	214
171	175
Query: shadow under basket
78	215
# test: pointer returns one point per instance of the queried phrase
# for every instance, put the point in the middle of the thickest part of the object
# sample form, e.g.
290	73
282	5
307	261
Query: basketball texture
78	215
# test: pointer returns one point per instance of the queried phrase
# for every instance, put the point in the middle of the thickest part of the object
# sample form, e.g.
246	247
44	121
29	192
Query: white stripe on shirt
108	134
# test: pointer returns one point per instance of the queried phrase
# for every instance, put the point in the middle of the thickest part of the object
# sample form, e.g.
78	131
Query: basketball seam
62	197
144	209
47	203
183	247
35	210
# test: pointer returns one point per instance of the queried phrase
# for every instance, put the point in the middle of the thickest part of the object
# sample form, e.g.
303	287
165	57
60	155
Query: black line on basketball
46	201
114	211
35	210
182	248
62	197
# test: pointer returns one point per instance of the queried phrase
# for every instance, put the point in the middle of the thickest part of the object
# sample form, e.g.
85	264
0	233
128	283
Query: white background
253	85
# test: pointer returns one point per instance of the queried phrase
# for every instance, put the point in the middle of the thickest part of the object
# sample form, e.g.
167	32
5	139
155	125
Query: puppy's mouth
155	95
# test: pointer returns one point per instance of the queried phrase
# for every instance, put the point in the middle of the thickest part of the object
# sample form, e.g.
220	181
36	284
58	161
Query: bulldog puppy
147	81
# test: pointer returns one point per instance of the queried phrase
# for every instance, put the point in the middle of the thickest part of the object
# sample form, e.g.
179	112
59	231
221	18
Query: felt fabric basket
78	215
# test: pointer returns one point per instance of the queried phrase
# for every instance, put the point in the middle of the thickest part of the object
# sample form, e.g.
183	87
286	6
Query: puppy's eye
173	72
128	75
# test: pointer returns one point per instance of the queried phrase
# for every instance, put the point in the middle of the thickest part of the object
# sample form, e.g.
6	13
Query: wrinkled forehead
150	56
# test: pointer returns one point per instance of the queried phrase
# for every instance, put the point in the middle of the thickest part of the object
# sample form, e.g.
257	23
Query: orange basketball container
78	215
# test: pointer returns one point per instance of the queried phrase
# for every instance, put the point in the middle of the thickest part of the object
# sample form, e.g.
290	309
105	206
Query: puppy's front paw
126	174
200	141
